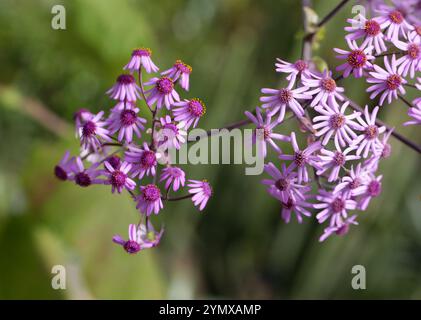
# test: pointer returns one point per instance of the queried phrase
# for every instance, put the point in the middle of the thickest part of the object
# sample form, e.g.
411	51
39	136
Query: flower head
340	228
373	189
63	170
125	89
299	67
162	92
125	122
92	133
394	23
143	160
86	177
334	161
353	184
414	113
411	61
173	176
141	57
140	237
118	178
299	206
189	111
357	59
333	206
171	135
149	199
325	89
201	191
181	71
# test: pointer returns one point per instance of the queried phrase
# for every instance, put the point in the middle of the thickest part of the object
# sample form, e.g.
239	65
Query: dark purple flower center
83	179
165	85
374	188
125	79
145	52
342	229
118	178
89	129
300	159
396	17
339	158
285	95
282	184
263	133
387	151
372	28
300	65
128	117
114	161
328	84
371	132
357	59
60	173
151	193
393	82
131	246
196	108
337	121
289	204
414	51
148	158
184	68
355	183
337	205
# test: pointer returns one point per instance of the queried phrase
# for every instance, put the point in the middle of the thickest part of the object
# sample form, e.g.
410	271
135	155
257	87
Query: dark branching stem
332	13
187	196
409	104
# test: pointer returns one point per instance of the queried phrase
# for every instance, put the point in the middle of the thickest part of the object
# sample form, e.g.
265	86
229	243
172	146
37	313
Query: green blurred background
238	247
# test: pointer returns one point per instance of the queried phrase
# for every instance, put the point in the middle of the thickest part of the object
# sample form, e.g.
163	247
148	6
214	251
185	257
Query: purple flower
189	111
126	122
172	135
394	22
297	205
299	67
149	199
118	177
63	170
373	189
201	191
85	177
325	90
140	237
416	33
369	138
277	100
181	71
141	57
143	160
411	61
125	89
114	160
333	121
341	228
283	184
263	133
334	161
334	207
382	151
301	158
356	60
414	113
162	92
80	117
388	81
173	176
369	30
92	133
354	184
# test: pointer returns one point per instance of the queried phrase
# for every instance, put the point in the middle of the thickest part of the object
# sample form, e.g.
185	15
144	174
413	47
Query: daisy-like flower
368	140
298	206
140	237
388	81
414	113
357	59
141	57
354	184
325	88
334	122
334	161
162	92
278	100
395	23
172	135
370	30
416	33
173	176
149	200
201	191
263	133
80	117
373	189
92	133
340	229
302	158
283	184
86	177
299	67
189	111
118	178
334	207
383	150
114	161
63	170
125	89
126	122
181	71
144	160
411	61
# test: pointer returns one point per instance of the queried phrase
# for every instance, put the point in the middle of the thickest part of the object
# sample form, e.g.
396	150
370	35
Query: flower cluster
122	151
334	175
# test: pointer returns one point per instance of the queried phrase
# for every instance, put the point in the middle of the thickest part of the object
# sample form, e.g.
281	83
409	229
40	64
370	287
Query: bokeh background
238	247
